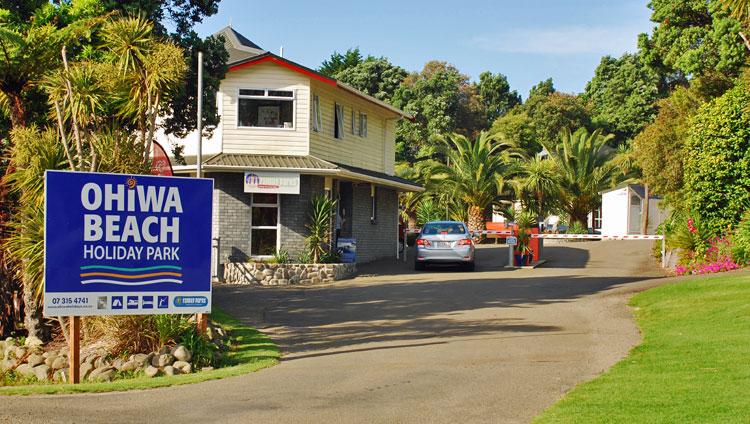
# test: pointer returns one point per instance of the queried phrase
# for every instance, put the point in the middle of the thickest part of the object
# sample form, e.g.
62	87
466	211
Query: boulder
41	372
61	376
49	360
86	369
129	366
165	359
60	362
117	363
141	359
163	350
151	371
183	366
170	370
259	276
49	353
181	353
35	359
33	342
10	341
20	352
25	370
104	373
154	359
8	364
101	362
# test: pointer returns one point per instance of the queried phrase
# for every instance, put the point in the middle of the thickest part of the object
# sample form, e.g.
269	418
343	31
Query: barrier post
663	249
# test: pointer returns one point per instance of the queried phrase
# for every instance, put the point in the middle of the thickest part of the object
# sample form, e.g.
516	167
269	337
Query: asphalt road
394	345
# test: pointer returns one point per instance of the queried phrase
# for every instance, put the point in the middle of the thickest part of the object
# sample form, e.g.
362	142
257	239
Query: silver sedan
447	242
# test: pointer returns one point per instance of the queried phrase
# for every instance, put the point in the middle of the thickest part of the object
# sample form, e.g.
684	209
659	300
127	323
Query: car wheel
419	266
469	266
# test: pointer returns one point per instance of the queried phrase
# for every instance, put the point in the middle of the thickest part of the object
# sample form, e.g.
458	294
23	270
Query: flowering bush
717	258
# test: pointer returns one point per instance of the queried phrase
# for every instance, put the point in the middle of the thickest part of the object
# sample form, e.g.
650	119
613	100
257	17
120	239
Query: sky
528	41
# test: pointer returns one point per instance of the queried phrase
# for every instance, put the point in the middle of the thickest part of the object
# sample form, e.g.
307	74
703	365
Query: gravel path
495	345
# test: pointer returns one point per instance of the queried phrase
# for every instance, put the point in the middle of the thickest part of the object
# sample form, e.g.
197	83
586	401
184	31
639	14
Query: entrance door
345	196
634	224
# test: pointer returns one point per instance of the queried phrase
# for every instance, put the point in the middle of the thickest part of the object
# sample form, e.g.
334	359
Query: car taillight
423	242
465	242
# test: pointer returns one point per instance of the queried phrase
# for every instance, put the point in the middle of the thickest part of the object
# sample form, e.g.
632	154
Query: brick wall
232	206
294	211
375	240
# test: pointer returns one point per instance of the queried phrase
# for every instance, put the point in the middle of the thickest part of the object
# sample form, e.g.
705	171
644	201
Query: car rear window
434	229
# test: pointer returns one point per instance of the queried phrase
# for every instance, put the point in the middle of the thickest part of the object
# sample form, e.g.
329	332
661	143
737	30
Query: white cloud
561	40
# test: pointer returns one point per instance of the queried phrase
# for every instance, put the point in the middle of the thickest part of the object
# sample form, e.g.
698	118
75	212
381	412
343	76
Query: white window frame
317	118
353	123
338	115
362	124
276	227
293	99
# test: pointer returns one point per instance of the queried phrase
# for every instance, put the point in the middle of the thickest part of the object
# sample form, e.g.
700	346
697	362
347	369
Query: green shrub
319	226
280	257
741	241
170	328
717	177
577	228
202	349
428	211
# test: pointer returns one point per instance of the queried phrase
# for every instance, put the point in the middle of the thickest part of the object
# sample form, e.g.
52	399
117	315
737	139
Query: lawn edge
270	357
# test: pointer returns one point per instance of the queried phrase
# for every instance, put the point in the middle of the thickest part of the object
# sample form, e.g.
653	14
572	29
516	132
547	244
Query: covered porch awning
306	165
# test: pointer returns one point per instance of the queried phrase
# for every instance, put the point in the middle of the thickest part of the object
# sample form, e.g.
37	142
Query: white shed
622	210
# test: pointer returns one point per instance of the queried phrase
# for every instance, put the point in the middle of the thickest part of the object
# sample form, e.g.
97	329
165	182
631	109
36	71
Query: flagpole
202	319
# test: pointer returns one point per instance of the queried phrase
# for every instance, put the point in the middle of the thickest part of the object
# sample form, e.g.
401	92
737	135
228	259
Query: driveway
394	345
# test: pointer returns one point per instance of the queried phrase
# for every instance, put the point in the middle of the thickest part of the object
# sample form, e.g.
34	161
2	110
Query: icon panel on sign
147	302
162	302
116	302
133	302
102	302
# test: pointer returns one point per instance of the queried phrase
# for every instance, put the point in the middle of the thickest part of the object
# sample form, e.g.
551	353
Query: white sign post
511	241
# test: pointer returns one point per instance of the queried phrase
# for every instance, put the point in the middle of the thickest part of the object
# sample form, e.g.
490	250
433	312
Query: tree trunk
476	218
644	210
17	109
32	317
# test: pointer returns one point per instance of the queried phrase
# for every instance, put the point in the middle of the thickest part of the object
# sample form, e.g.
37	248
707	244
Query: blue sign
134	238
347	248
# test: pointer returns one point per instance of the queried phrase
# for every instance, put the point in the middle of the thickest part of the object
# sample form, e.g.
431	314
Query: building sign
271	182
126	245
347	248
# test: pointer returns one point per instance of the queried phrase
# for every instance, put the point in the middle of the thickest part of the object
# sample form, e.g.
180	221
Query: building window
374	204
353	122
362	124
338	121
264	224
317	120
265	108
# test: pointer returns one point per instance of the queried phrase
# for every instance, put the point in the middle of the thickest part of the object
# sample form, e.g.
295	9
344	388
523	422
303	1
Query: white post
406	245
510	256
199	123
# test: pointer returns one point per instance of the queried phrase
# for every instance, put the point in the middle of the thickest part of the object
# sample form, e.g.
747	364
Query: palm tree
539	182
476	173
585	166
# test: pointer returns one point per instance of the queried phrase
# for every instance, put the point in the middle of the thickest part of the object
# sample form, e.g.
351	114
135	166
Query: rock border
256	273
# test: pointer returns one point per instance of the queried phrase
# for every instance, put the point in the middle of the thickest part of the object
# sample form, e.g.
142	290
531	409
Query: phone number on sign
70	300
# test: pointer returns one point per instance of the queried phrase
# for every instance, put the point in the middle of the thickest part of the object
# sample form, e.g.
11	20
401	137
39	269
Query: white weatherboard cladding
268	141
375	152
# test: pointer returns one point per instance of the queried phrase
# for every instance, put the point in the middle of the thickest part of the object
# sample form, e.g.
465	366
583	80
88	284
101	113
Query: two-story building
288	133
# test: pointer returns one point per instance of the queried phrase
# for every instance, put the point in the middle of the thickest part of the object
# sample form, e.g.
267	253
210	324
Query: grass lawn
692	367
251	351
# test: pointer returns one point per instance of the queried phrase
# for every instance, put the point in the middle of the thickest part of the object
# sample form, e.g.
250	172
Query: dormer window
261	108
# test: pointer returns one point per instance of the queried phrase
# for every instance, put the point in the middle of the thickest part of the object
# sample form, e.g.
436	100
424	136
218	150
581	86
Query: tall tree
559	112
692	38
376	77
495	95
434	96
623	94
339	62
